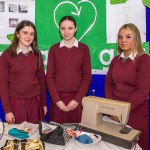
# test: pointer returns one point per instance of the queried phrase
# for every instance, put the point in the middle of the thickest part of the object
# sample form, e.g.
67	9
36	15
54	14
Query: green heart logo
78	11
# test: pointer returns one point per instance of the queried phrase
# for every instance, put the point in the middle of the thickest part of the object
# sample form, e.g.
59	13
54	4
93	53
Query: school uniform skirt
57	115
27	109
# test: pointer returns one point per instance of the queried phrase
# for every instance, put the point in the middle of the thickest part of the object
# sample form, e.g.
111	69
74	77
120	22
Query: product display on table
73	144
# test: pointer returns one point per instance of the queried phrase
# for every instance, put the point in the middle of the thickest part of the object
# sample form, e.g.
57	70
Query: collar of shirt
19	50
131	56
62	43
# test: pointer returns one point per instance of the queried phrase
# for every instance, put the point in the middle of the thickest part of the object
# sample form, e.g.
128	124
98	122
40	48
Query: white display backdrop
11	13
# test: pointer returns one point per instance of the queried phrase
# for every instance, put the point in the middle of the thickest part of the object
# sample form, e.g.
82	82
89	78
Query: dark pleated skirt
27	109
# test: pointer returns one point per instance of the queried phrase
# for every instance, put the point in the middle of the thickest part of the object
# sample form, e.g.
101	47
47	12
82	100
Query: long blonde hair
137	45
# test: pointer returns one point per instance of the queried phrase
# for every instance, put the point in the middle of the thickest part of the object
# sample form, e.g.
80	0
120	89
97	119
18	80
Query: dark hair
68	18
12	48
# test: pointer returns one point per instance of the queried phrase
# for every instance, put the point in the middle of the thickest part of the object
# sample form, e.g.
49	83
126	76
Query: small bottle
93	92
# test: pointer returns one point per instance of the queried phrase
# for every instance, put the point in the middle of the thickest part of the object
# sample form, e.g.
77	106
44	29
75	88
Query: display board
97	24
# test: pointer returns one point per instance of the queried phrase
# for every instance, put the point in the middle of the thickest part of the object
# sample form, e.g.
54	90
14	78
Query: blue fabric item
18	133
85	139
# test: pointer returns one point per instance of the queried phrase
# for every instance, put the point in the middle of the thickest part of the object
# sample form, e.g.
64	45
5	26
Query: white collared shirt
131	56
62	43
19	50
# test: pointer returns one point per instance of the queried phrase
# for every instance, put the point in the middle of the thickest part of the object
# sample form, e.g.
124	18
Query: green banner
91	28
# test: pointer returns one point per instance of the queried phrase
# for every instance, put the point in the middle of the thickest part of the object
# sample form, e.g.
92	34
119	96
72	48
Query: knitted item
18	133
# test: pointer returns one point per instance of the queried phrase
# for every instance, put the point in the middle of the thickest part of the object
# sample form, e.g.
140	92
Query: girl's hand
72	105
45	110
62	106
9	117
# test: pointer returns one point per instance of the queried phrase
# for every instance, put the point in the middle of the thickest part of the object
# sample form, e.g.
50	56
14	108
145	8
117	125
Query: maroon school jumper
130	81
68	78
21	80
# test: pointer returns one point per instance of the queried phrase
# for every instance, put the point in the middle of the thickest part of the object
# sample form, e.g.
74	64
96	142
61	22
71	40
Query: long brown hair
13	46
137	44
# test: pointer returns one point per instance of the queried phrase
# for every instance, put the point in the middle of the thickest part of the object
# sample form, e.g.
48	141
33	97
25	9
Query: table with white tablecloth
71	145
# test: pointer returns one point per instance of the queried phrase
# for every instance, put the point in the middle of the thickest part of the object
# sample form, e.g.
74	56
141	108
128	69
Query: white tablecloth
71	145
